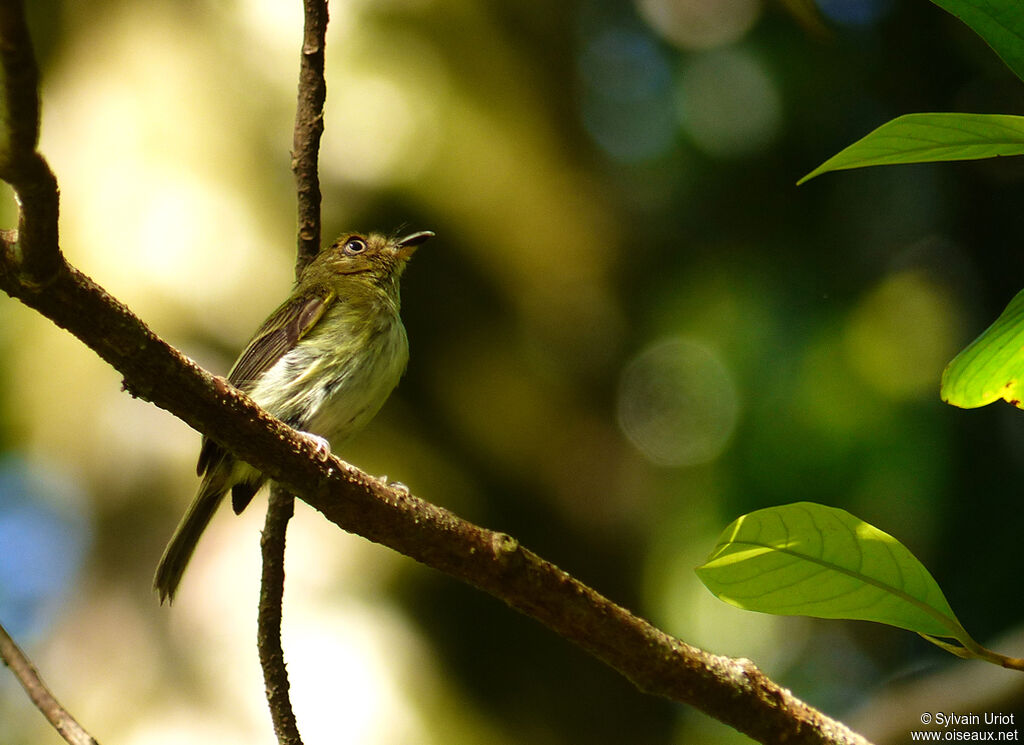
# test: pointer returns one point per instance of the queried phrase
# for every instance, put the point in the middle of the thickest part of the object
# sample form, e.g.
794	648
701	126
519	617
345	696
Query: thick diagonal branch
733	691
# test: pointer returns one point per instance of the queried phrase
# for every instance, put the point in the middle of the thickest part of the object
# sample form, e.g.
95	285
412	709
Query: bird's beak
406	247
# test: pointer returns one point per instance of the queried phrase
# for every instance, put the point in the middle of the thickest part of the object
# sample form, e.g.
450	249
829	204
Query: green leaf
810	560
999	22
992	367
920	138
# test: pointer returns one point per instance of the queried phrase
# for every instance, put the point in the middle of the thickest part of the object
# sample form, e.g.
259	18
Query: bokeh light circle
700	24
677	403
728	103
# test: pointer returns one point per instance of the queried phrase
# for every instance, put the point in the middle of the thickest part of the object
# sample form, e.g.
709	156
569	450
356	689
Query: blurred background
631	328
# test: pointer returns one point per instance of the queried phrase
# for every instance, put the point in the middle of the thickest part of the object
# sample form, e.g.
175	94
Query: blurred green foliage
631	328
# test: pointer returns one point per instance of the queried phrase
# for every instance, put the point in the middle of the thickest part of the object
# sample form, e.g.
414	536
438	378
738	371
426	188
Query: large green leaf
919	138
999	22
810	560
992	367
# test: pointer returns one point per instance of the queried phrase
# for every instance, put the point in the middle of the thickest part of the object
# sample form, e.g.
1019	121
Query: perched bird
324	363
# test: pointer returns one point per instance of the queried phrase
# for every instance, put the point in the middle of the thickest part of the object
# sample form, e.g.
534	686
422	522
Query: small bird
324	363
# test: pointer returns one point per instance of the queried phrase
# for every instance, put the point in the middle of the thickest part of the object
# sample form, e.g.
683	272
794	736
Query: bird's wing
278	334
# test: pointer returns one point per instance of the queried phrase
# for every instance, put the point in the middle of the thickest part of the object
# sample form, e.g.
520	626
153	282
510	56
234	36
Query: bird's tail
186	535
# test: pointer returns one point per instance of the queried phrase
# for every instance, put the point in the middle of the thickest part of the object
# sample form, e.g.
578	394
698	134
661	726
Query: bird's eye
355	246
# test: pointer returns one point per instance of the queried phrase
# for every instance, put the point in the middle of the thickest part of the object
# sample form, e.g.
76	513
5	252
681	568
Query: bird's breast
337	377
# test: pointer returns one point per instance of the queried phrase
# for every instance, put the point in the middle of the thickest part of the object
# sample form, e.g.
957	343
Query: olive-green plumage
324	362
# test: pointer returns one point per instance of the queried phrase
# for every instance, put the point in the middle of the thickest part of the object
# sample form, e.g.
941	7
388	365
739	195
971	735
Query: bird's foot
323	447
397	485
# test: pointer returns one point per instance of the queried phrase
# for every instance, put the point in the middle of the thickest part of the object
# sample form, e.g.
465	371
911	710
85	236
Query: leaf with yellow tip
992	366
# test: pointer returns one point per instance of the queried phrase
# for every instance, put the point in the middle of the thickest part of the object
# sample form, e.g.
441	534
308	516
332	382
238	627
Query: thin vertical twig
280	509
28	676
309	126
